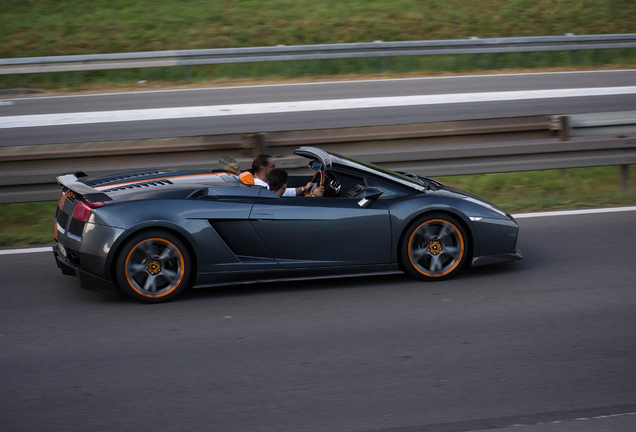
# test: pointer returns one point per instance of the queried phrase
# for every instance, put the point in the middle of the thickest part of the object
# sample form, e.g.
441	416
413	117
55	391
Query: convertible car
154	233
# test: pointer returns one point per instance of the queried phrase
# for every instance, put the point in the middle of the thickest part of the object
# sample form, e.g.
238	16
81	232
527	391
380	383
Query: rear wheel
435	247
153	267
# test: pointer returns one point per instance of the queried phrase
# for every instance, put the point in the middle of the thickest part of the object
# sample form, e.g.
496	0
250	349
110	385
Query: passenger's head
262	165
277	180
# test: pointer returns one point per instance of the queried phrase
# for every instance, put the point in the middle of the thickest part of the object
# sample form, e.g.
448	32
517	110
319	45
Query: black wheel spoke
167	253
435	264
451	251
136	268
171	276
443	232
418	253
151	284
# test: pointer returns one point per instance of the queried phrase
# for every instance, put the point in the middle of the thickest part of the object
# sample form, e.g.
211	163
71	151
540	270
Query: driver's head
262	165
277	180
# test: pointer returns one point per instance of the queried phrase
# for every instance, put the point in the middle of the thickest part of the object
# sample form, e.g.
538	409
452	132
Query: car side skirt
286	275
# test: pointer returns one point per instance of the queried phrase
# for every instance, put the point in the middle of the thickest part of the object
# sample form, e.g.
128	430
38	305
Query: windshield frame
377	170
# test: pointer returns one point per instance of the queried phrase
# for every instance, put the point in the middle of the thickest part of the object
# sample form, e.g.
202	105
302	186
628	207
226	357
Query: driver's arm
302	189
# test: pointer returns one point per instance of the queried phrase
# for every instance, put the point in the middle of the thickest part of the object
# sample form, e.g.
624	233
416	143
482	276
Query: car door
315	232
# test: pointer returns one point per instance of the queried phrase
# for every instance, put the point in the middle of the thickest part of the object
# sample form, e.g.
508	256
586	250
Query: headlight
485	204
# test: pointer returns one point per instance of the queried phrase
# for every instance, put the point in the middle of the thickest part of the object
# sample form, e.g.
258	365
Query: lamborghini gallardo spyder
153	234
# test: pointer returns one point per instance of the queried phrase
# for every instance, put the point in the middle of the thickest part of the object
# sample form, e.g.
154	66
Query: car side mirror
315	165
370	195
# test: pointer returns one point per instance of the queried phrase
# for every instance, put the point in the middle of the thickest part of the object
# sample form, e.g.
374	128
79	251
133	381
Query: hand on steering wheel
318	180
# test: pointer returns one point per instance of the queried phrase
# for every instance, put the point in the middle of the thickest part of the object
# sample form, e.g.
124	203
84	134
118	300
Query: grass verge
30	28
32	223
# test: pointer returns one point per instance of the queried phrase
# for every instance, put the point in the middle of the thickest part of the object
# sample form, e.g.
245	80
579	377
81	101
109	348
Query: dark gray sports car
154	233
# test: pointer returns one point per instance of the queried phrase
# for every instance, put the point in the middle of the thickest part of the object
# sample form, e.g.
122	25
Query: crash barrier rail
473	45
27	173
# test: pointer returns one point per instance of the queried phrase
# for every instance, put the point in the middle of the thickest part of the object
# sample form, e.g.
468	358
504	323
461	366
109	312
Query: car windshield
386	172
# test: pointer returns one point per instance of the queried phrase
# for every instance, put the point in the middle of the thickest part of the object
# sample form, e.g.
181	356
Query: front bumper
496	259
88	281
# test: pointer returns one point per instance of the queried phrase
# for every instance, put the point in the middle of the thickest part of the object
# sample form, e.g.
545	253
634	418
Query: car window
389	189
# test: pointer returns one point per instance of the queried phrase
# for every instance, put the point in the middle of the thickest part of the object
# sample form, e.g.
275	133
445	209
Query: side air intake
201	193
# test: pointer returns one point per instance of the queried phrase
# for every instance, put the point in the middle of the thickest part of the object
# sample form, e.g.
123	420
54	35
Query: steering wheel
331	183
318	179
328	180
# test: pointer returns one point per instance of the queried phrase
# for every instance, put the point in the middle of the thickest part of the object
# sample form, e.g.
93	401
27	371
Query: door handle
262	216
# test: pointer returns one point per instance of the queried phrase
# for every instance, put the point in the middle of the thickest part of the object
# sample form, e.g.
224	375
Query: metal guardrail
610	123
568	42
27	173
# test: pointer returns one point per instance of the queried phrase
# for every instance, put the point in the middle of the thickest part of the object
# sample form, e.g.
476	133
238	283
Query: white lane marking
238	87
25	251
5	102
25	121
573	212
577	419
516	216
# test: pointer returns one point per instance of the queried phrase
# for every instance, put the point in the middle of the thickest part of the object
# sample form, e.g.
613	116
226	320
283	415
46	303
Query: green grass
27	223
32	223
550	189
67	27
62	27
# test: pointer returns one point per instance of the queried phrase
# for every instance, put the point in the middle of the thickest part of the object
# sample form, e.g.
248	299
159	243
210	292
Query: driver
277	183
262	165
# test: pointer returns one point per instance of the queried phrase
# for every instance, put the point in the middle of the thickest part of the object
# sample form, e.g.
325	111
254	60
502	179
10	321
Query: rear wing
71	182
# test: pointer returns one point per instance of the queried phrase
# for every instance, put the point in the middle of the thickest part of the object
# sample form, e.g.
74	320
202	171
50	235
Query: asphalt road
19	106
549	338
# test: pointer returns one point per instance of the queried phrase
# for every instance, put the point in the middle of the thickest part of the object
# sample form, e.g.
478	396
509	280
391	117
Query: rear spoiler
70	181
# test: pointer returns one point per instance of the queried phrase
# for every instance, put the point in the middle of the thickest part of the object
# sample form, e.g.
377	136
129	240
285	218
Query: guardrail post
187	74
560	124
382	64
258	143
624	170
564	128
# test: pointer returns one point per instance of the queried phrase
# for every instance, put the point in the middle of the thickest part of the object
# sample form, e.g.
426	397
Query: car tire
434	247
153	266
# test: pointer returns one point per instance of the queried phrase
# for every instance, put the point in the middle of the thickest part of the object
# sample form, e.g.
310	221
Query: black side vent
62	219
76	228
140	185
201	193
119	177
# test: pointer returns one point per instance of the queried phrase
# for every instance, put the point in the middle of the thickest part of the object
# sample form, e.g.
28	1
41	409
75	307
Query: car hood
471	197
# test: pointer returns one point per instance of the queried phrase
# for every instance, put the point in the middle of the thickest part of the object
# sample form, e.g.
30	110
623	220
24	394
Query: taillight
83	209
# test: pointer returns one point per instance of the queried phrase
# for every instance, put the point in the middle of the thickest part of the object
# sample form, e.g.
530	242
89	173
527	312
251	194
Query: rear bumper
87	280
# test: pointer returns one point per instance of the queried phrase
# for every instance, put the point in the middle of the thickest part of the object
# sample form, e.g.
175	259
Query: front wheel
153	267
435	247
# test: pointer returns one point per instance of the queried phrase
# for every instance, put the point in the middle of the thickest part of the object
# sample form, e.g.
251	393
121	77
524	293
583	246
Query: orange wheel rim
436	247
154	267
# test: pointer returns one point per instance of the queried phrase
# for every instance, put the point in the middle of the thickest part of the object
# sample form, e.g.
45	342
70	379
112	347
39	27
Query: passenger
261	167
277	183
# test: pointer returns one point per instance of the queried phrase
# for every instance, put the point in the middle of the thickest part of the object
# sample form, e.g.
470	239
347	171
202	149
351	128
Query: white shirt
288	191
